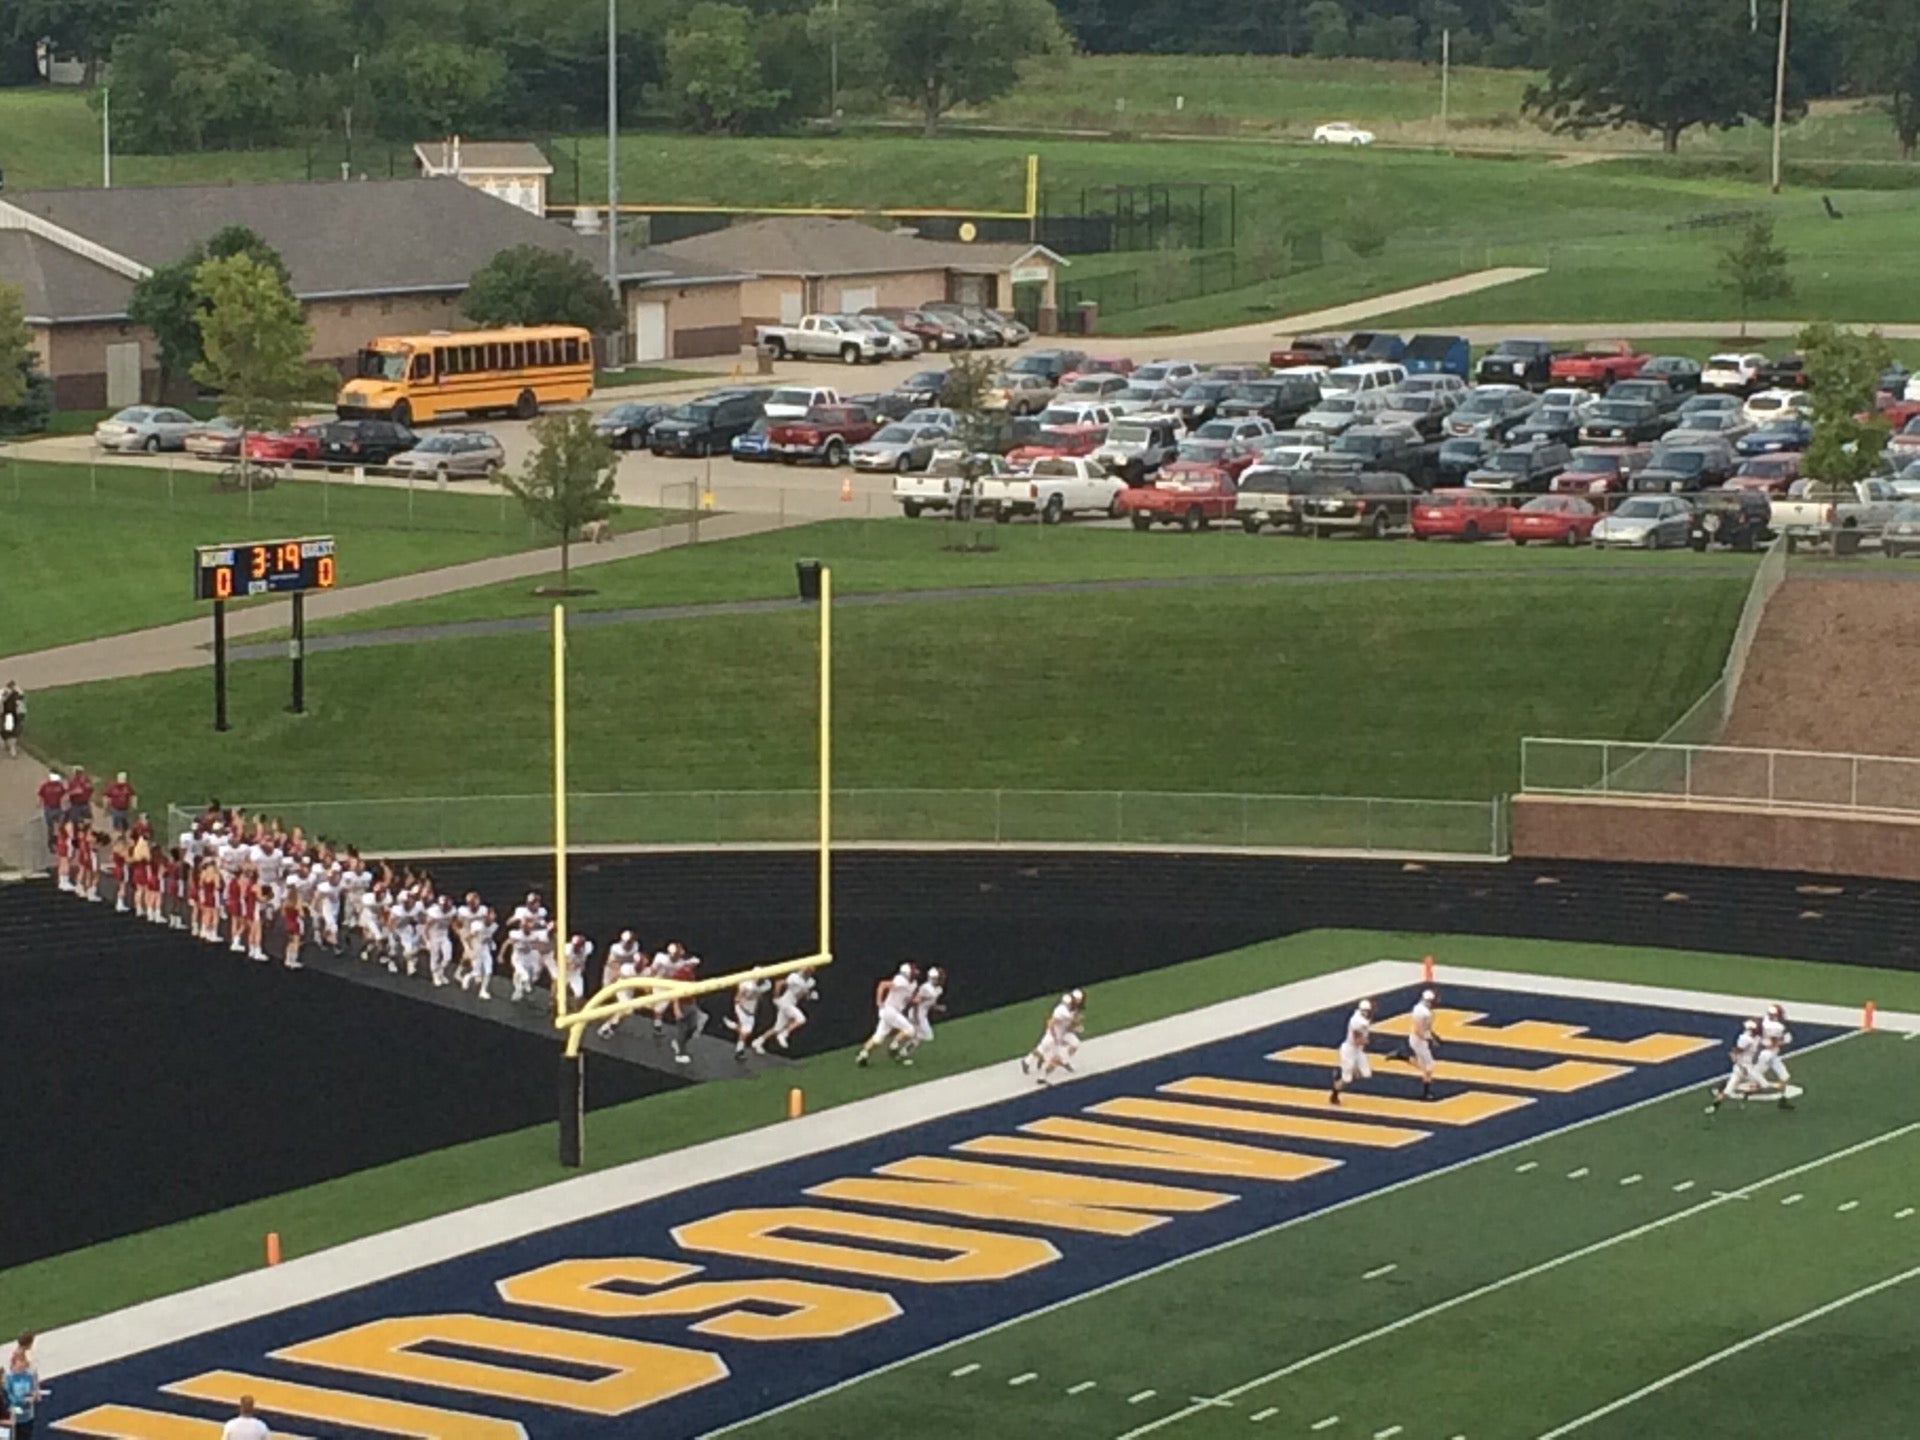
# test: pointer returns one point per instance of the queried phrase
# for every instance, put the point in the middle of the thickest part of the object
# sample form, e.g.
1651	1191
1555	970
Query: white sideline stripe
1266	1414
1523	1169
1026	1379
1518	1276
1849	1205
1579	1174
964	1370
1683	1187
1388	1433
1409	972
1709	1361
1331	1420
1903	1214
1143	1395
1793	1199
1632	1179
413	1247
1082	1387
1375	1274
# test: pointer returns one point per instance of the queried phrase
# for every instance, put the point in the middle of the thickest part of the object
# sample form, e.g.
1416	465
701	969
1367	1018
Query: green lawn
124	1272
1415	687
136	526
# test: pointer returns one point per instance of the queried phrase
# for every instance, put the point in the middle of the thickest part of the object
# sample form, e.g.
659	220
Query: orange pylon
846	487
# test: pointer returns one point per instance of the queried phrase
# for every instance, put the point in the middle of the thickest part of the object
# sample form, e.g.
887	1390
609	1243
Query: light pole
106	137
833	67
1779	95
613	162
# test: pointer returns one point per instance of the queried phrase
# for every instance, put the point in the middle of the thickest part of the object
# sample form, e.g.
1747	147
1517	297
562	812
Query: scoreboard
263	567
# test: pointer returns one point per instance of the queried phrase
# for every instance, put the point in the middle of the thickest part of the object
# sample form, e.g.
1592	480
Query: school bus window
543	353
423	367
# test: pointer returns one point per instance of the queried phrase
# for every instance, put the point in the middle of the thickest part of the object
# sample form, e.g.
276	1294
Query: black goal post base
573	1102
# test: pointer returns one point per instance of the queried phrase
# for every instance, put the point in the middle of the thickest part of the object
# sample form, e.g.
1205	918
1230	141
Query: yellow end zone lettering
1552	1038
1073	1141
961	1253
639	1373
1561	1078
1220	1117
340	1407
809	1309
1467	1108
127	1422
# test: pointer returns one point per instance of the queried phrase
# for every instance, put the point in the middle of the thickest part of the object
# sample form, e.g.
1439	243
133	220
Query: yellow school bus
411	378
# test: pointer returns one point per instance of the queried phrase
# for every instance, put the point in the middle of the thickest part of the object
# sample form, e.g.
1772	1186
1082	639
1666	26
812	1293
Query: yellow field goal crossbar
624	997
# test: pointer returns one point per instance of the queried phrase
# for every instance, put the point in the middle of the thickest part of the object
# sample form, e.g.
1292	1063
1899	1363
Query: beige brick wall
342	327
701	319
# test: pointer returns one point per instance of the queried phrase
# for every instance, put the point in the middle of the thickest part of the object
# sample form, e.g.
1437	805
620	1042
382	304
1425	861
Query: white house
511	170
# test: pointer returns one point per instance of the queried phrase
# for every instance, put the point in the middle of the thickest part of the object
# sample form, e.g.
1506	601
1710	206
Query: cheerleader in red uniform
290	920
236	912
63	855
86	861
172	879
207	902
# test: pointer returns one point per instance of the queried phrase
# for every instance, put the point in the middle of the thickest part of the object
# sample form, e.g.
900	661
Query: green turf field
137	526
1414	687
1529	1291
124	1272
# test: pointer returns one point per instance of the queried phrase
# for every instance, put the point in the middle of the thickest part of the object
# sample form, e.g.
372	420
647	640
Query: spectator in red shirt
119	798
53	801
80	797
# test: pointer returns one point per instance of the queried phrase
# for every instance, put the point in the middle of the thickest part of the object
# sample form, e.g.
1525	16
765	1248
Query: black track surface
150	1080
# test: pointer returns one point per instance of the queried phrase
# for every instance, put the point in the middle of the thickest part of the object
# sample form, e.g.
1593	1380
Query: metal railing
1720	774
907	817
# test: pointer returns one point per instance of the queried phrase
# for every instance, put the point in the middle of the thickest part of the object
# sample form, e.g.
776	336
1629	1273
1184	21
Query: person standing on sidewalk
13	718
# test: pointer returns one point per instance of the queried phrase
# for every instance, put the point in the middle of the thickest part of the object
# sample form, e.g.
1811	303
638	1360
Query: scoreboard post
262	567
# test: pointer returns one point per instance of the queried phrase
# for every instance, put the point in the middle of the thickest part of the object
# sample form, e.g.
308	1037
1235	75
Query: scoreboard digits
263	567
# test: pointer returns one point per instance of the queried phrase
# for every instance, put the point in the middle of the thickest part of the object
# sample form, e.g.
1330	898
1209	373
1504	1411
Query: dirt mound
1835	666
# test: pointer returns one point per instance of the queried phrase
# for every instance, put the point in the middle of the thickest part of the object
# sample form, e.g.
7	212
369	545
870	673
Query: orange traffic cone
846	487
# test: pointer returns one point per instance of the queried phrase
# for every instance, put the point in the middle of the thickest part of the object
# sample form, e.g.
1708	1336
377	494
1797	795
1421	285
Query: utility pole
833	66
1446	75
613	162
106	137
1779	95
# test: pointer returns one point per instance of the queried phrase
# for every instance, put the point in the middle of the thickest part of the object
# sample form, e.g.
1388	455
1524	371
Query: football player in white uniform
926	1000
893	998
795	991
623	963
479	945
436	928
747	996
1354	1064
1060	1040
1420	1040
523	946
1744	1078
1774	1038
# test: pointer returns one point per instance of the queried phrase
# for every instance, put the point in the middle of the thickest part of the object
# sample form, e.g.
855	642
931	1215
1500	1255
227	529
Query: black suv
705	426
1528	468
1282	399
1399	448
364	442
1517	362
1372	502
1739	518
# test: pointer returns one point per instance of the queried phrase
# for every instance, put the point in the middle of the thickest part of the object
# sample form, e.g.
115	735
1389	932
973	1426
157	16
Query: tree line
202	74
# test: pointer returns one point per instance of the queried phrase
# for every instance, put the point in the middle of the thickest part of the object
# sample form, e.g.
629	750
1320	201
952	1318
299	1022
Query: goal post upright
825	945
572	1089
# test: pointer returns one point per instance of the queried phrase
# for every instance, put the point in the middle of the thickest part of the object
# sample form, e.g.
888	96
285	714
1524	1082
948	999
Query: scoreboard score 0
263	567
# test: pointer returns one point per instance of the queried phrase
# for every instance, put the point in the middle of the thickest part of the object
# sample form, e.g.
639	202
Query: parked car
900	343
1279	399
1327	350
1595	471
1166	372
1904	444
1050	364
1776	437
1277	494
1365	377
1553	520
1687	465
824	434
1902	535
1142	397
1558	423
1622	422
1100	365
1523	362
1004	329
1072	433
1094	385
707	426
1425	412
1729	428
1341	132
298	443
1766	406
1656	393
824	337
1019	394
1528	468
1735	518
1681	373
1812	515
1192	499
1379	445
1893	381
1644	522
152	428
1708	402
1053	490
214	439
1439	355
923	387
932	332
1732	371
1460	453
1231	443
453	455
945	485
1491	411
1459	514
898	447
755	444
364	442
1782	372
1138	445
1197	404
1769	474
1374	503
1597	366
1236	372
1335	413
625	426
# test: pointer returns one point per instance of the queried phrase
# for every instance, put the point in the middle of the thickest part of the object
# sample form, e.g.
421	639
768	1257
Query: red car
1597	366
302	442
1192	500
1059	441
1553	520
1463	514
826	434
1328	350
1771	474
1597	471
1098	365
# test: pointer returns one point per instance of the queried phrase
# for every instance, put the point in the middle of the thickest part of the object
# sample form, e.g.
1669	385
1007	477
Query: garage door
853	301
123	375
650	331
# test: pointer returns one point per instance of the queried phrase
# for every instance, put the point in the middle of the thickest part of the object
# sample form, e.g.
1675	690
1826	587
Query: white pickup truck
1053	489
1811	514
943	484
824	337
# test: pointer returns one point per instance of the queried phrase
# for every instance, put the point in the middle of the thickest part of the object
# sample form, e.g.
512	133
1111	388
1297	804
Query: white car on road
1341	132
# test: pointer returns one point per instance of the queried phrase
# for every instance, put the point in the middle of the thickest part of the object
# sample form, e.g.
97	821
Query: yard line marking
1211	1400
1579	1174
1083	1386
1903	1214
1323	1424
1648	1227
1027	1378
1728	1352
1388	1433
1377	1272
1793	1199
1910	1034
1143	1395
1266	1414
963	1371
1530	1165
1513	980
1683	1187
1633	1179
1849	1205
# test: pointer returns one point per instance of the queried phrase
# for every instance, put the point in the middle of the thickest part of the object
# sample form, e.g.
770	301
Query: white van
1362	379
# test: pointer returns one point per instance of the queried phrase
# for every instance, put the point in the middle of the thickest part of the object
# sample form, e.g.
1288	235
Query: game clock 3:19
263	567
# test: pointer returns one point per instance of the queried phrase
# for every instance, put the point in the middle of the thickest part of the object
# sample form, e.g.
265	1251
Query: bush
1365	232
35	409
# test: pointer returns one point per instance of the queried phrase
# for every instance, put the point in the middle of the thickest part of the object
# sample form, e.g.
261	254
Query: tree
1883	55
255	340
964	392
1843	375
435	87
16	346
569	479
532	285
1660	65
936	54
1755	269
713	73
168	302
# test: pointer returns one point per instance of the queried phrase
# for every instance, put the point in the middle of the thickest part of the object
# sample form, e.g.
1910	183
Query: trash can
763	359
808	572
1086	317
1846	541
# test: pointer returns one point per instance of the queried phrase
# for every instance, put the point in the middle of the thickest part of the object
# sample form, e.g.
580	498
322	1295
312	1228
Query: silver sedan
1644	522
452	455
145	427
899	447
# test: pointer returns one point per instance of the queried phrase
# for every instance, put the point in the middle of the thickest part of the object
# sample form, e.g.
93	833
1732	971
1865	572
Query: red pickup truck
1193	499
1597	366
1059	442
827	433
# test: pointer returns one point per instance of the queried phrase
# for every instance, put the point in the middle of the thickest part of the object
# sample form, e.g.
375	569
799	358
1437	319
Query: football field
1184	1239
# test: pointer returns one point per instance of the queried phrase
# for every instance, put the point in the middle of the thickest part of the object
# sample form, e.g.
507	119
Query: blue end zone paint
767	1374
